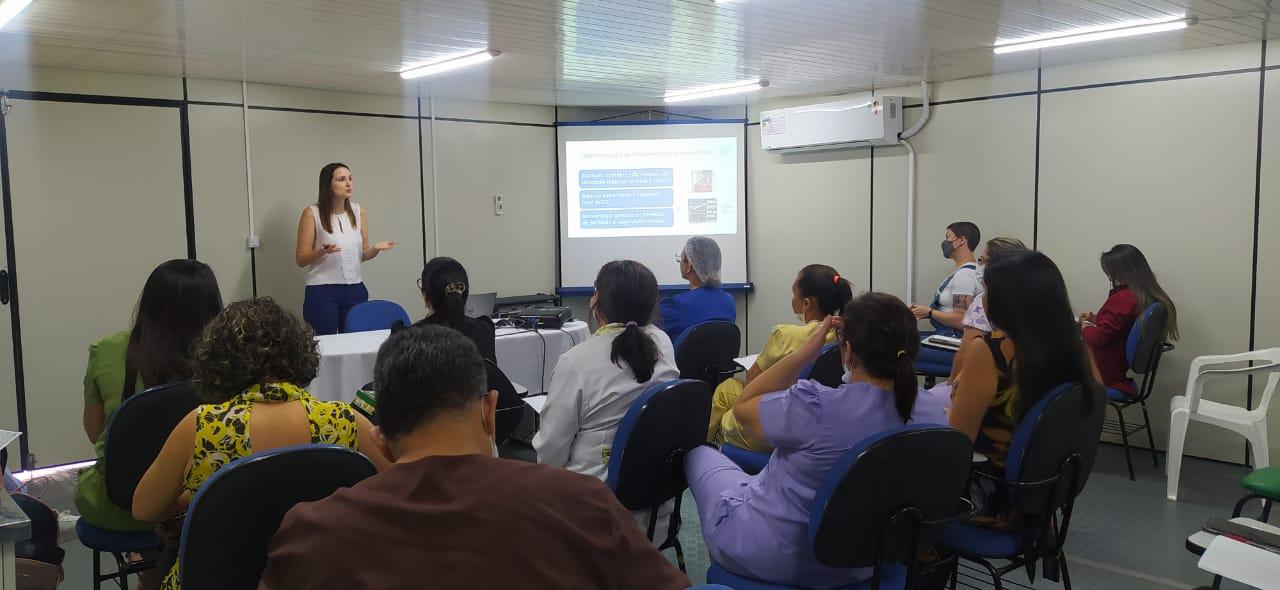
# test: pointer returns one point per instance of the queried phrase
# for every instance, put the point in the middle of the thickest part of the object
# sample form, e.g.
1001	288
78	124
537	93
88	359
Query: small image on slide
702	181
702	210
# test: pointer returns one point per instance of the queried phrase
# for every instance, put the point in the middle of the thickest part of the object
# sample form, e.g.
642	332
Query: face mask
947	249
493	448
847	377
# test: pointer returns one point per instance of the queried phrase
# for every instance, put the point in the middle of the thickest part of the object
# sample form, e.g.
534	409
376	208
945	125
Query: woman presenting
333	239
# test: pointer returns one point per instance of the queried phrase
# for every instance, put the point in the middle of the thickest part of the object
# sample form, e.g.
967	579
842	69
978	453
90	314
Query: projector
550	318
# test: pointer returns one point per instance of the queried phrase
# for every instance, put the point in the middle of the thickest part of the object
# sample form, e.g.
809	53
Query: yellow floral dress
222	434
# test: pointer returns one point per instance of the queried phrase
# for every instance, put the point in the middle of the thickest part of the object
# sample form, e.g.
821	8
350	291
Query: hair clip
632	324
836	280
457	288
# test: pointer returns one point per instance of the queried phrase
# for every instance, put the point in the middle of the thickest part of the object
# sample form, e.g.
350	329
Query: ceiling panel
585	52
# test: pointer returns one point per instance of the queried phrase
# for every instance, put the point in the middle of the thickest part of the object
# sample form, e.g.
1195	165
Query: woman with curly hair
250	368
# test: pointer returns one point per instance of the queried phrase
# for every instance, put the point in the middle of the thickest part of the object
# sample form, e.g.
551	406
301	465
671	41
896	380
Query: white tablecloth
525	356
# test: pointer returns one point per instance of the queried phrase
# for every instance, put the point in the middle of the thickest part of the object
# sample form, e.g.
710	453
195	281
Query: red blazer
1109	336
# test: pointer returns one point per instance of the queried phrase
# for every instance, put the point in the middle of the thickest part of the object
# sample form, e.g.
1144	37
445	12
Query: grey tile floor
1124	534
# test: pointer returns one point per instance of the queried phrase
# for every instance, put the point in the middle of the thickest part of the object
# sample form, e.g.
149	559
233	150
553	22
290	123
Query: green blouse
103	384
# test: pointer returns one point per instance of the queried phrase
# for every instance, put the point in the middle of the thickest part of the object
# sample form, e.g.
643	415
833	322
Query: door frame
184	125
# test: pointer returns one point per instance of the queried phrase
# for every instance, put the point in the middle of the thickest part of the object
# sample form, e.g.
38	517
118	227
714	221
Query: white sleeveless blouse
342	267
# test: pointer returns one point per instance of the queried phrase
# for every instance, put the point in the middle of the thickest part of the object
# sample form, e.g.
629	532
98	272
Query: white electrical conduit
911	189
435	186
252	241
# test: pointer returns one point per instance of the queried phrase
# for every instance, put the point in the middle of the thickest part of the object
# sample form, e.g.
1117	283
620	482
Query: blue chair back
646	460
234	515
1056	441
828	369
137	431
1146	338
377	314
706	351
889	496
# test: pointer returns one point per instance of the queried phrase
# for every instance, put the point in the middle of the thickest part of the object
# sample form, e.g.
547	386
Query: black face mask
947	249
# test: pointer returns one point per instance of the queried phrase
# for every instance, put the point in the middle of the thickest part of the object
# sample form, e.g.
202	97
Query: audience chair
135	433
1145	347
1264	485
706	352
870	512
510	406
828	369
1251	423
231	521
38	559
378	314
646	463
1049	462
750	461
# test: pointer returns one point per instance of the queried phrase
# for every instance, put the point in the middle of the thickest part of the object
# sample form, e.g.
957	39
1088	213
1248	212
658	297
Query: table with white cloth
527	357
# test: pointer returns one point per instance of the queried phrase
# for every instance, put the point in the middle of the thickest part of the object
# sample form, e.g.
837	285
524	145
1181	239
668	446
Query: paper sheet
747	361
1243	563
8	436
536	402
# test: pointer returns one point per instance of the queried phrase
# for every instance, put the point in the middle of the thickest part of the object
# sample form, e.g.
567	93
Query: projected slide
652	187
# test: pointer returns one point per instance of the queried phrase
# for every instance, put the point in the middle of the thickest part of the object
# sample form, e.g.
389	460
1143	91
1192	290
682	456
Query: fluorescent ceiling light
450	63
715	90
10	9
1097	33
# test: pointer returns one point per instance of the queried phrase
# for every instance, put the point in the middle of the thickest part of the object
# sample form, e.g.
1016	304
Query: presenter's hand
331	248
380	246
921	312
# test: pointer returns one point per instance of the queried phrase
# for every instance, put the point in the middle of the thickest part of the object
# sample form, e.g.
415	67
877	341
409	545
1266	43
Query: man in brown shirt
448	513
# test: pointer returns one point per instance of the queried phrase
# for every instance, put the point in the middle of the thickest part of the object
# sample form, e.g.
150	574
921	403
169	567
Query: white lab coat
588	397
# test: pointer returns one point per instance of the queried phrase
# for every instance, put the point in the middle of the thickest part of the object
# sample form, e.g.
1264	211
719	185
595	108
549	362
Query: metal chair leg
680	556
97	570
1151	439
1066	578
1124	437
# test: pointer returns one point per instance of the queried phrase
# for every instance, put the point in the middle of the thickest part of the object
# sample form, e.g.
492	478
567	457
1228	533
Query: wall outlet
497	205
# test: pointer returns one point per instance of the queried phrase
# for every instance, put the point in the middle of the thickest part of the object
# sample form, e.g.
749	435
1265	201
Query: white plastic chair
1252	424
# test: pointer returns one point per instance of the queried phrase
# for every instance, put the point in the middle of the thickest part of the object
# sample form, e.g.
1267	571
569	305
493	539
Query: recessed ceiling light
449	63
714	90
1096	33
10	9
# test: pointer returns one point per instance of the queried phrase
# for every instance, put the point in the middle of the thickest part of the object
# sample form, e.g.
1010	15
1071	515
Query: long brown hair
882	333
324	201
1125	265
179	299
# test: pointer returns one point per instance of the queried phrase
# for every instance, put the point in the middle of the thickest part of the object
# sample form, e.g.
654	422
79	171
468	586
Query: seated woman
1035	347
177	301
817	292
704	301
595	382
1133	288
250	367
445	289
757	525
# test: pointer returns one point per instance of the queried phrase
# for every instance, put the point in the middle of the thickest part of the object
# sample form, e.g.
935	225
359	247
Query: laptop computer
481	304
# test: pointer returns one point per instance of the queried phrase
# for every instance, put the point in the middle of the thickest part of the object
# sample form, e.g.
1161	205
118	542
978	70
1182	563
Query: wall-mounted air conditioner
832	125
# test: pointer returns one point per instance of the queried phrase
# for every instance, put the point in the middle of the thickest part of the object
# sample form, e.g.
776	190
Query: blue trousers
325	307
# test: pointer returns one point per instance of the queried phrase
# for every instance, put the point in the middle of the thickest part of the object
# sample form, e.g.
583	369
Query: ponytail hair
881	333
627	293
825	286
445	286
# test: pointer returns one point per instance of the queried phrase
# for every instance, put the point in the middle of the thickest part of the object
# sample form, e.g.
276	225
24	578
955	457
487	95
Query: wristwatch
930	314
